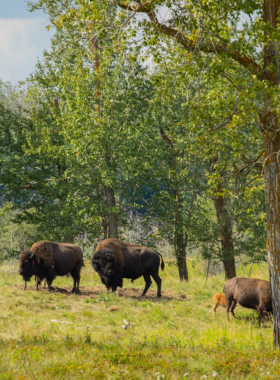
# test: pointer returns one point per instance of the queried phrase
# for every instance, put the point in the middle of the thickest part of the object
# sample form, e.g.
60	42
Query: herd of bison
114	260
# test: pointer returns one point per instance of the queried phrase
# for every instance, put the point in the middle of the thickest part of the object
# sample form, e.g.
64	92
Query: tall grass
60	336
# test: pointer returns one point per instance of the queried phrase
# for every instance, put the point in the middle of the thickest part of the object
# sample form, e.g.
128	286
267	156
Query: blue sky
23	38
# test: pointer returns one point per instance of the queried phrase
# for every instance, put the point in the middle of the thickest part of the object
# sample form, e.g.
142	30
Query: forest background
97	143
123	131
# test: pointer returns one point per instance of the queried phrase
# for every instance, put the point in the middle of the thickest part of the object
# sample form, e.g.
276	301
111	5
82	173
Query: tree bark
271	172
271	137
181	257
180	239
225	228
104	223
112	215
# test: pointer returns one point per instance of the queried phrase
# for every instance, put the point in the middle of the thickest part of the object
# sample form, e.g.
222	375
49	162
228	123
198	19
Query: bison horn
95	261
32	255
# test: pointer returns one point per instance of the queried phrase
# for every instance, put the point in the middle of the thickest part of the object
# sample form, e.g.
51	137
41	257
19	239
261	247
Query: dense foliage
102	135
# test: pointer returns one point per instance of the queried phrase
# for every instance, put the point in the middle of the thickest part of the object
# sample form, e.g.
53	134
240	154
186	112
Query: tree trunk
272	196
112	215
271	171
181	257
180	244
104	223
225	228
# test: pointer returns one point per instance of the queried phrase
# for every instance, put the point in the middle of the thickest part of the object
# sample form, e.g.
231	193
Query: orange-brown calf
219	300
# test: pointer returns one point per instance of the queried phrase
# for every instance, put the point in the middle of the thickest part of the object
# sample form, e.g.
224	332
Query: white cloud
22	42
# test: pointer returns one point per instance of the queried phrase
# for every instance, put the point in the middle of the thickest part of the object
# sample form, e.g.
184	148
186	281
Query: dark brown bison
114	260
250	293
47	259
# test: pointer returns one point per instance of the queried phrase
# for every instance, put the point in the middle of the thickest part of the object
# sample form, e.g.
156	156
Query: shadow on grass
94	291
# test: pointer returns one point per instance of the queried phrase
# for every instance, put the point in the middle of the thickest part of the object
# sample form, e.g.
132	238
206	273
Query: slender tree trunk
112	216
180	240
180	237
181	257
104	223
225	234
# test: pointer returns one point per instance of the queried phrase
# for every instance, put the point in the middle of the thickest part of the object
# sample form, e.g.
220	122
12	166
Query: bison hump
43	252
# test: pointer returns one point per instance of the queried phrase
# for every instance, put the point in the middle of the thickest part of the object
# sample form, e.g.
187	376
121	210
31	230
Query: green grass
173	336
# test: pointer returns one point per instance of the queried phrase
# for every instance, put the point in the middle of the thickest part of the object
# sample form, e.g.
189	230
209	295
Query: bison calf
250	293
219	300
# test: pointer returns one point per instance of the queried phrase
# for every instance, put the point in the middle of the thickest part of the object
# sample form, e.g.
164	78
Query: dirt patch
93	292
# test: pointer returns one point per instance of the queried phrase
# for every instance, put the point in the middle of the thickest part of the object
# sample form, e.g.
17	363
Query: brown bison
47	259
250	293
219	300
114	260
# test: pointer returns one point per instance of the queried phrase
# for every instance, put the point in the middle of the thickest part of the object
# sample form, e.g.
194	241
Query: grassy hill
60	336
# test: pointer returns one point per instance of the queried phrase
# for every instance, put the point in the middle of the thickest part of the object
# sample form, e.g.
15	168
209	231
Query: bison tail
83	264
162	262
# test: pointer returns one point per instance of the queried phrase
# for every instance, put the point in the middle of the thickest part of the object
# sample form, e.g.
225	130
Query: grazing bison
250	293
47	259
219	300
114	260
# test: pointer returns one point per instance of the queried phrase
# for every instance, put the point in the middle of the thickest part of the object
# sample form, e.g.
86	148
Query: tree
74	20
243	36
77	147
176	177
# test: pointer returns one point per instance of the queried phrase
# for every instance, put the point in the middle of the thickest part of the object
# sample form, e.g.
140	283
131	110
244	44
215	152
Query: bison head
27	262
103	263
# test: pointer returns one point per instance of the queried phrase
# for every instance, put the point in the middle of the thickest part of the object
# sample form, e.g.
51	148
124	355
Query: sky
23	38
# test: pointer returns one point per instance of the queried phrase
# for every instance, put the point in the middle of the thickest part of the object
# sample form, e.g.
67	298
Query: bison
219	300
114	260
250	293
47	259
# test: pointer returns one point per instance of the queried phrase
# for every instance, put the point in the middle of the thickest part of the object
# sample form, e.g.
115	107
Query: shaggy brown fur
116	246
48	259
129	261
43	251
219	300
251	293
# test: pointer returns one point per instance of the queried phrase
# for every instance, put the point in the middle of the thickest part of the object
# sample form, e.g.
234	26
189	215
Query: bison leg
148	282
77	285
229	302
264	314
25	285
37	283
158	282
49	282
76	281
232	307
215	307
74	286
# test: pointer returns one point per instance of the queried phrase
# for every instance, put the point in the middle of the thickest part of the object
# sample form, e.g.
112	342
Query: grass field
174	337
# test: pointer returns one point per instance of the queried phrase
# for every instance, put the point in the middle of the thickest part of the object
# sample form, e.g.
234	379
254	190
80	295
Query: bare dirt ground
93	292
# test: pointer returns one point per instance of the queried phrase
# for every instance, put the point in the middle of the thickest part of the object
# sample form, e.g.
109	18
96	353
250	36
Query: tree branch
223	48
225	122
166	138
